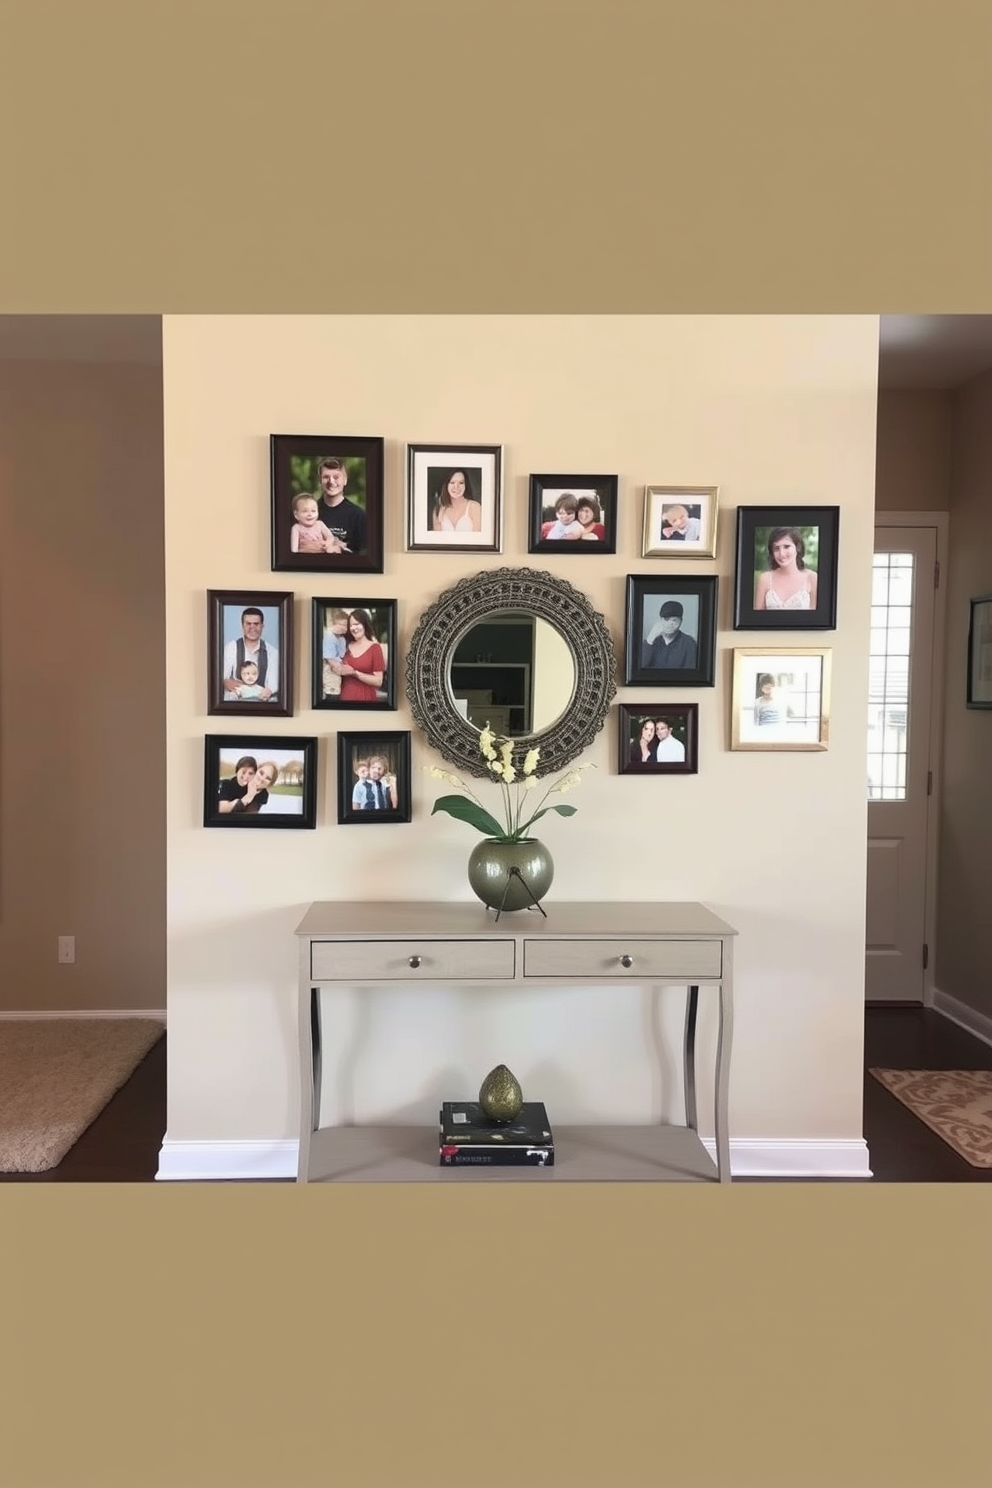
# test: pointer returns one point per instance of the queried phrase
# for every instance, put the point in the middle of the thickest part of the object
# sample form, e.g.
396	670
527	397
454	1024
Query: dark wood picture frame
381	615
394	747
593	494
979	693
815	534
648	595
228	611
682	719
296	465
429	467
229	763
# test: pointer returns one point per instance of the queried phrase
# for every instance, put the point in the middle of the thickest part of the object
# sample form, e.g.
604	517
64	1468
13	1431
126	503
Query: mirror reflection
512	670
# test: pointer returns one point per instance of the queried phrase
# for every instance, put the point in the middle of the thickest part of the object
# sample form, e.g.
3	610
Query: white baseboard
156	1014
252	1162
239	1162
980	1024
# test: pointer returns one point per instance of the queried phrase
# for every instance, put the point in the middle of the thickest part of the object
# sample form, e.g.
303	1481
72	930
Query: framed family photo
573	514
374	778
327	503
454	498
250	665
670	631
680	521
781	699
353	655
658	738
253	781
980	653
786	568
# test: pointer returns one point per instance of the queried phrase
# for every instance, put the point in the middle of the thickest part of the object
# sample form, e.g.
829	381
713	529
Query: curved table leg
723	1042
689	1057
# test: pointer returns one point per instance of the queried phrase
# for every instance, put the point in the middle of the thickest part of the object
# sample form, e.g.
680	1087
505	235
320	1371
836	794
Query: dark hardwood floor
122	1145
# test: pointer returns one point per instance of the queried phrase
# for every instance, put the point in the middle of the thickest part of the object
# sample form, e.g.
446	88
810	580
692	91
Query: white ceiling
915	351
933	351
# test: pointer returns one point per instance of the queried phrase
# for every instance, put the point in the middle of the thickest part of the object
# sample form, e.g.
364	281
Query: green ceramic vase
490	876
500	1096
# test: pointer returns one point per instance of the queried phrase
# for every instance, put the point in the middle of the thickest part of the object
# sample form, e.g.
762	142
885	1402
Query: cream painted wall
773	409
82	686
914	450
962	960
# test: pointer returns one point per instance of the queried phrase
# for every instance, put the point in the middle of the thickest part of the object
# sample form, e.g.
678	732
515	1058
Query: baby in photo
248	689
309	534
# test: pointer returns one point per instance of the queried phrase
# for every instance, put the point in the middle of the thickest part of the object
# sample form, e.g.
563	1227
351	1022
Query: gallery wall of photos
327	511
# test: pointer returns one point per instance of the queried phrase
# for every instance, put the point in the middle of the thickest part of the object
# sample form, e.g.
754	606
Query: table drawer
594	959
406	960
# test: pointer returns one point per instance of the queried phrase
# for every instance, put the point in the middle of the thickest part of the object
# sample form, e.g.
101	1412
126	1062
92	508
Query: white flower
496	767
530	783
486	739
530	762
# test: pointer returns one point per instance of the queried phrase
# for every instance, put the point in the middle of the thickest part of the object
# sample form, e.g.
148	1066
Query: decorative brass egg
500	1095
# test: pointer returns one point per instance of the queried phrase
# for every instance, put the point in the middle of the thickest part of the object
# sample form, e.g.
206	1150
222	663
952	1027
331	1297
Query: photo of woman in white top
455	507
787	584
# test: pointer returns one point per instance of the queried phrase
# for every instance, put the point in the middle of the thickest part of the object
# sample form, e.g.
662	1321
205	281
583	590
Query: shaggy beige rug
56	1076
956	1104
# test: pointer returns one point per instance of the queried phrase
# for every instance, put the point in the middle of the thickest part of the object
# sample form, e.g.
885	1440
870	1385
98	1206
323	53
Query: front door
900	687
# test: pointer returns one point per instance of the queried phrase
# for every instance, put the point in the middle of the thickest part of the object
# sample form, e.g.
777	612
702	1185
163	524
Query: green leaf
468	811
561	810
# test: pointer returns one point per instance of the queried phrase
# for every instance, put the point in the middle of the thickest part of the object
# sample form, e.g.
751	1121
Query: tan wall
914	450
963	965
82	686
773	409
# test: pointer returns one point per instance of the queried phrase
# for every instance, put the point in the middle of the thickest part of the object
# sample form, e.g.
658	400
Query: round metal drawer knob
626	960
414	962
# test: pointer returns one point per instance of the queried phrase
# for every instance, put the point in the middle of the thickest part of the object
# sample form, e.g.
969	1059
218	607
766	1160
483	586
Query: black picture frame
979	693
229	619
682	721
296	463
380	614
354	747
590	493
226	762
647	595
429	468
815	532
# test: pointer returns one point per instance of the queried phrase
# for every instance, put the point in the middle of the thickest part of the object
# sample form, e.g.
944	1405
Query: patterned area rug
956	1104
56	1076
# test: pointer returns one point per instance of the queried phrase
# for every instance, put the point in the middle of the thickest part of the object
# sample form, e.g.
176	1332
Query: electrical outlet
67	950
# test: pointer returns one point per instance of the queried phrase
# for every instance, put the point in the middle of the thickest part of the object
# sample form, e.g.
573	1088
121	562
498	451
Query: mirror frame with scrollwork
476	597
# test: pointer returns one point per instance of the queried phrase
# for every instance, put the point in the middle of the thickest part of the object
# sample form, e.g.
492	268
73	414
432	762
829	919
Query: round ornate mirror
518	649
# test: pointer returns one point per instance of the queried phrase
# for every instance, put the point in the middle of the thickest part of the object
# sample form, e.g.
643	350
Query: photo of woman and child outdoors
354	653
573	513
373	778
658	739
326	503
259	782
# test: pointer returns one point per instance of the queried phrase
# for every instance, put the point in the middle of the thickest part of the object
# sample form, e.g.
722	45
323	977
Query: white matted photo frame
781	698
980	653
454	498
680	521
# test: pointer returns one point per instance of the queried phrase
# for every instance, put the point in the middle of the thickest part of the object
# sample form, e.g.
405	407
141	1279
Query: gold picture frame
692	534
781	698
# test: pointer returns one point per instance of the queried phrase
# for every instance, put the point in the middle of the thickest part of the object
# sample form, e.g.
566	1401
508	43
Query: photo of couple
658	739
259	782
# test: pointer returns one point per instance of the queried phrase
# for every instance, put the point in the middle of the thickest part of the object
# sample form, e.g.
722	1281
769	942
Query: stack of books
467	1137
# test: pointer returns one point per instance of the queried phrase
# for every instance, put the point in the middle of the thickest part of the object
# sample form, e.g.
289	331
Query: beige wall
963	968
914	450
82	686
771	409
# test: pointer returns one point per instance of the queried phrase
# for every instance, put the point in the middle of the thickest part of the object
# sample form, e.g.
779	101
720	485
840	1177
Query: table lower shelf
583	1154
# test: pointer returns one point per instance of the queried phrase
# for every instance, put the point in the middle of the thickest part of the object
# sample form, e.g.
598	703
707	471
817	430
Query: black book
468	1137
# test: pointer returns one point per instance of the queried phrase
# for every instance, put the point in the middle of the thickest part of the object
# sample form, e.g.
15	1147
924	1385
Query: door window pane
888	675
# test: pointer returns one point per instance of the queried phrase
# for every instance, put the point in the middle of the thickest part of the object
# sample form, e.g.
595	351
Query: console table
577	944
